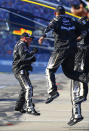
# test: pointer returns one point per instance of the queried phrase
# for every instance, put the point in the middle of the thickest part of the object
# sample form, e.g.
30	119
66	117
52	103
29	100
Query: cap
26	35
60	9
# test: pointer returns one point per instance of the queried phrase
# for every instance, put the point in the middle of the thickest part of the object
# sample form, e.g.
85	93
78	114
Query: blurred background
32	16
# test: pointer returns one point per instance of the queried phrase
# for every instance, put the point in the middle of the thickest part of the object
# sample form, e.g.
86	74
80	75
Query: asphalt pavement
54	116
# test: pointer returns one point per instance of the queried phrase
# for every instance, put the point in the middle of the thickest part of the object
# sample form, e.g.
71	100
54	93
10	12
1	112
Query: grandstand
13	18
13	22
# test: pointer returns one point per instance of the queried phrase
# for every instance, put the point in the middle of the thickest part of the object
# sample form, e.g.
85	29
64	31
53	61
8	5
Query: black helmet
60	9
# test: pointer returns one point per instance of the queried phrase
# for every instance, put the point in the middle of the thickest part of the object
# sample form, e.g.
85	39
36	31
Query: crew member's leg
83	91
76	92
79	90
54	62
80	65
83	86
68	69
23	78
21	101
76	108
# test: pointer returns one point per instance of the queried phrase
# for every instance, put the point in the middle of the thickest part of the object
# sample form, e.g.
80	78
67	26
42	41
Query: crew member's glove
83	20
31	68
33	59
79	38
35	50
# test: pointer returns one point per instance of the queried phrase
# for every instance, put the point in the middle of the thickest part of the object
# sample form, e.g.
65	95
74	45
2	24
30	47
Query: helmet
60	9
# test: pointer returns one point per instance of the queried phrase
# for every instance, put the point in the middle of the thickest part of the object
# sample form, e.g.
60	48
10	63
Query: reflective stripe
49	80
77	110
75	93
28	94
53	62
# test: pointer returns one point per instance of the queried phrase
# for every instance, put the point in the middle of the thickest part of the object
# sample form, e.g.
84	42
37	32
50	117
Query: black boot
20	110
52	97
33	112
74	121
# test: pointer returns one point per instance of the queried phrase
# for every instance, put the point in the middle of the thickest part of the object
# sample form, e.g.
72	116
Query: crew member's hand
31	68
33	59
41	40
79	38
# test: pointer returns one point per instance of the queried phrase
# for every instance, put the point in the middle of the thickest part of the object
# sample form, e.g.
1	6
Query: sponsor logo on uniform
68	28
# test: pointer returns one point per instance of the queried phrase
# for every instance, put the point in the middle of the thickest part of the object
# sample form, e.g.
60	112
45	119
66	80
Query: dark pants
26	92
82	64
68	67
79	89
73	67
56	59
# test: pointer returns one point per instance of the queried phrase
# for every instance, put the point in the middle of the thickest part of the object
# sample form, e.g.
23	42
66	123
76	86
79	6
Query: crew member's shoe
33	112
20	110
74	121
52	97
80	99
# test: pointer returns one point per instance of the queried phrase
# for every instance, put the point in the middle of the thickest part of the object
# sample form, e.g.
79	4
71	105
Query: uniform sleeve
81	28
51	26
24	53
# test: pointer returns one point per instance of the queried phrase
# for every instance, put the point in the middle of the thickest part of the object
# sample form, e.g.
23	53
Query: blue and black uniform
79	90
65	31
22	60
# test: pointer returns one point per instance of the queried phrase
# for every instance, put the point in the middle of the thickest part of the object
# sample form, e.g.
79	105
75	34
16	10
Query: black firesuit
86	43
68	69
83	54
65	32
79	90
23	59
